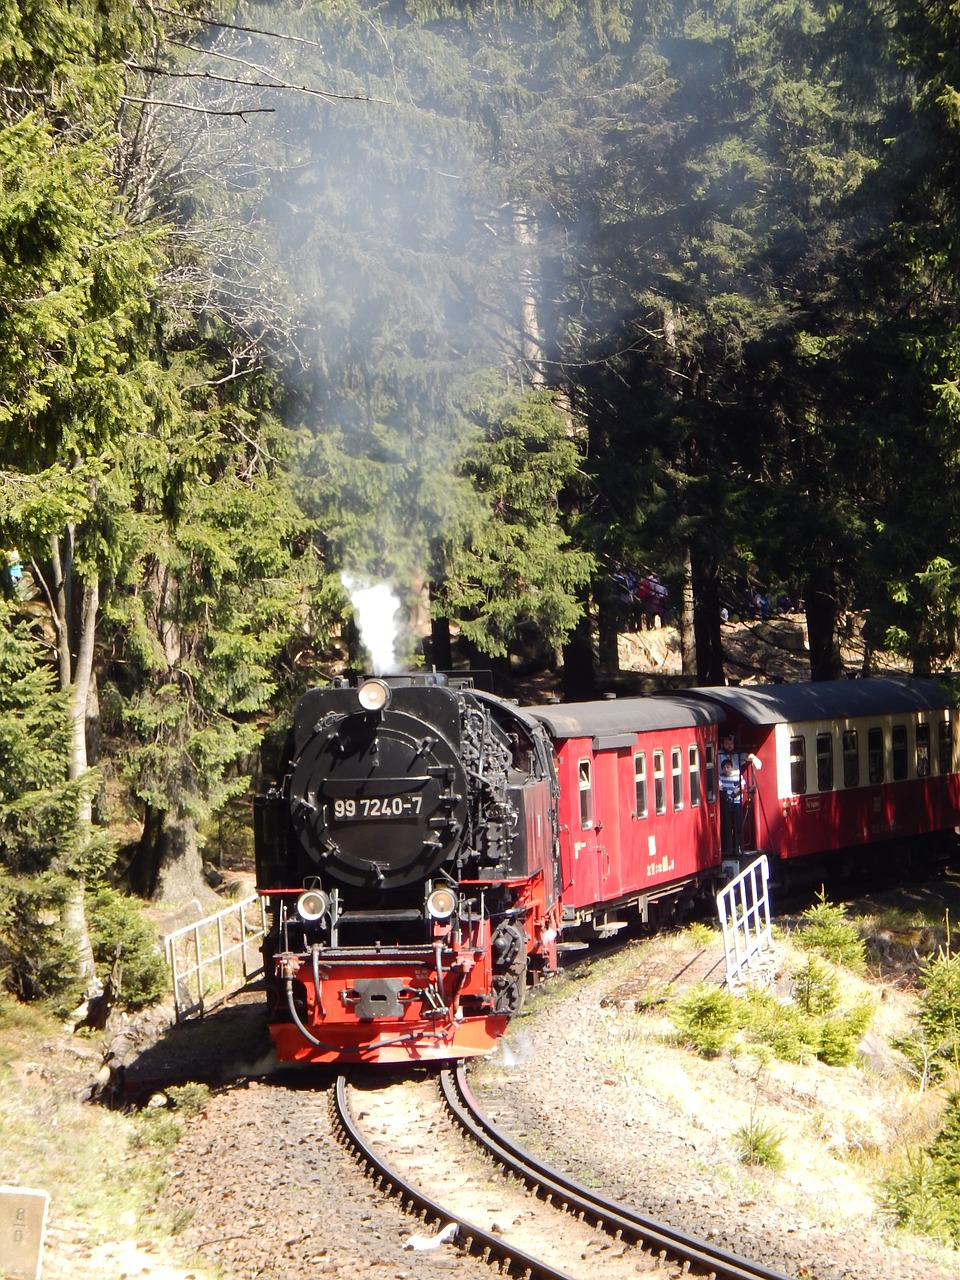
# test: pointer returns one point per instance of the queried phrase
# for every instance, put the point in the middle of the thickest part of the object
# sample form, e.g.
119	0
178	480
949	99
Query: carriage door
586	870
614	762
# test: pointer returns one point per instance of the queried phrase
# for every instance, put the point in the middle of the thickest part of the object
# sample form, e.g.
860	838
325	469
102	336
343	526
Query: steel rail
474	1238
608	1215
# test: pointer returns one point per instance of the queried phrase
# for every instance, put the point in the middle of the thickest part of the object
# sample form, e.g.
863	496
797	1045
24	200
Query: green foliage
707	1018
157	1129
517	564
76	279
815	987
840	1036
782	1029
935	1052
37	962
127	949
160	1125
43	845
926	1198
757	1143
220	593
192	1098
825	930
711	1019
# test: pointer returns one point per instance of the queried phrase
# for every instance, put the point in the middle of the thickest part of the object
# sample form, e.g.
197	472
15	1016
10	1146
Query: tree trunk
823	608
76	676
688	637
441	650
579	682
608	620
705	583
531	332
167	866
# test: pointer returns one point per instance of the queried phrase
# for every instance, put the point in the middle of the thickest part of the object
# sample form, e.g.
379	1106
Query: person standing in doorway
733	784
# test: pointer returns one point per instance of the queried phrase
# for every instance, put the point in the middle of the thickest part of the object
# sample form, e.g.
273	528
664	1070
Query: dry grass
843	1131
103	1186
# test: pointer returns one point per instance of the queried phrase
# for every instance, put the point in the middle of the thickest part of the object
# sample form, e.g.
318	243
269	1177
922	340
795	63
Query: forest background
483	300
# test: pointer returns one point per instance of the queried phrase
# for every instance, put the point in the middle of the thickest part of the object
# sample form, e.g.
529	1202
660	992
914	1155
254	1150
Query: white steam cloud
375	607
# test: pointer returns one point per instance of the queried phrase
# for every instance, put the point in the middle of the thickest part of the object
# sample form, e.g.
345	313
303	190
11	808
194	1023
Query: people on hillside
643	593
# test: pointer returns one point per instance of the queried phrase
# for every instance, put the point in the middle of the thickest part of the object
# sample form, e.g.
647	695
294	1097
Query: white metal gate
214	957
744	910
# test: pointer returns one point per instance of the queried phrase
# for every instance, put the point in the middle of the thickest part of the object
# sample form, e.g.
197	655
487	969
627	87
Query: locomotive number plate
364	808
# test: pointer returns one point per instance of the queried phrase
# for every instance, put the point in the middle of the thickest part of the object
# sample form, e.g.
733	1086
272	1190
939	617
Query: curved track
549	1186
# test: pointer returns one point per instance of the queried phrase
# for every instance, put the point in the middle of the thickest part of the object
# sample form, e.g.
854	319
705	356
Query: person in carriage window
734	792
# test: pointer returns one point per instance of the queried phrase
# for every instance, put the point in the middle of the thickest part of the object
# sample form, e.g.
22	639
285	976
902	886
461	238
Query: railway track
500	1201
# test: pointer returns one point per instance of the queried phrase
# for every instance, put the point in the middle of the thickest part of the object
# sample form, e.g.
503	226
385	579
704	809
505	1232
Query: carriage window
710	772
851	758
586	795
798	766
659	783
693	761
824	761
923	750
640	782
946	746
875	755
676	774
899	743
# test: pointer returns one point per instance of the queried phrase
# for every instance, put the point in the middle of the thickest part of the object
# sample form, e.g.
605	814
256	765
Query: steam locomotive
430	847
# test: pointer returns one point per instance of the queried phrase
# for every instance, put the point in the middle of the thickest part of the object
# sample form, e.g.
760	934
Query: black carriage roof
622	716
828	699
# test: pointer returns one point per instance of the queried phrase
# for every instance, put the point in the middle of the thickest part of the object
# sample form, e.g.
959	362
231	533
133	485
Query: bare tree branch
207	111
229	26
252	84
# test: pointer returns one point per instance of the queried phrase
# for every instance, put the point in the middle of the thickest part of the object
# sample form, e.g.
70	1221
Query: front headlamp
441	904
312	905
374	695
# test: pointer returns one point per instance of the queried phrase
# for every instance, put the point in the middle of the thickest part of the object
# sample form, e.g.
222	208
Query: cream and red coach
847	765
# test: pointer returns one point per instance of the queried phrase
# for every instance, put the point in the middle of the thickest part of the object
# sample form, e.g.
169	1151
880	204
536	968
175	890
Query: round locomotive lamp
441	904
312	905
374	695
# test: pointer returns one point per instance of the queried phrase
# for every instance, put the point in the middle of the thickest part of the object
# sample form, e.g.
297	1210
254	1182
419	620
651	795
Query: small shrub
706	1017
796	1038
126	946
825	930
927	1197
156	1129
191	1099
759	1143
815	987
840	1037
37	963
939	1012
705	935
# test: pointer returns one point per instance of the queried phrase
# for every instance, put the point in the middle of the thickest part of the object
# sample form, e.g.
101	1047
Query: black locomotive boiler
409	862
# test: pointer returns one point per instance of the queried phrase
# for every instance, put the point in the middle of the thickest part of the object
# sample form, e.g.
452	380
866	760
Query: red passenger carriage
639	815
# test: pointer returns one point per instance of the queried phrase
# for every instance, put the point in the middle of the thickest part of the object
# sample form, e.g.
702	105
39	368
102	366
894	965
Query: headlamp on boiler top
374	695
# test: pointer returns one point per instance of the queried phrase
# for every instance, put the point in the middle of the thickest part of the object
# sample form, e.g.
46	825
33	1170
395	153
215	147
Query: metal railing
213	958
743	906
